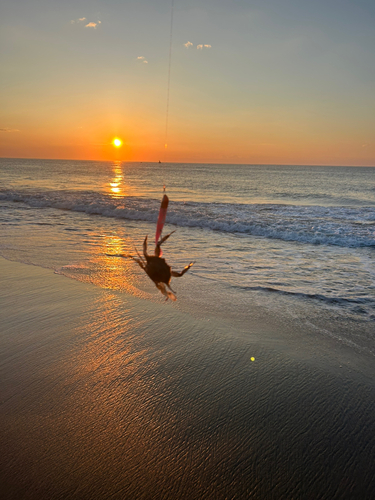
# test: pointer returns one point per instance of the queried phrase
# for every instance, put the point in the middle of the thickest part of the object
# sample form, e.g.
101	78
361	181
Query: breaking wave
342	226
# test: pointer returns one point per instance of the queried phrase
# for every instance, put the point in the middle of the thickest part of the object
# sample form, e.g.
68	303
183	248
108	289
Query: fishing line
169	81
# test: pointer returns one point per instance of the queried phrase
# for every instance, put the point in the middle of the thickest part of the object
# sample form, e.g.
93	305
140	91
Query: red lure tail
161	219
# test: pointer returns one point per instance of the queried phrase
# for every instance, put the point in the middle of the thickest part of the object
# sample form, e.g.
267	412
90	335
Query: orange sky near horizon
252	86
218	145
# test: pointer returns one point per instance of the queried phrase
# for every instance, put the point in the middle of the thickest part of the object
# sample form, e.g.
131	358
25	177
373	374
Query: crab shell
158	270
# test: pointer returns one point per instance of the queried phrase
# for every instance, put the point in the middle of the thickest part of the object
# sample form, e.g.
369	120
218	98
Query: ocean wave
318	225
364	306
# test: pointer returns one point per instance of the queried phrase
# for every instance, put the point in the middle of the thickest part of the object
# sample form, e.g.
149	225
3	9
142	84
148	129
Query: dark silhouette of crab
158	270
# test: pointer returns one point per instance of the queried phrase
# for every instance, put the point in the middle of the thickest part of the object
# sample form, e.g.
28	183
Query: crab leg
158	251
164	238
165	292
170	288
139	260
185	269
145	248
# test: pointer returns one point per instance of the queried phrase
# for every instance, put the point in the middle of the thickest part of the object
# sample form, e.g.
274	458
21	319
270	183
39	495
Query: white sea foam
342	226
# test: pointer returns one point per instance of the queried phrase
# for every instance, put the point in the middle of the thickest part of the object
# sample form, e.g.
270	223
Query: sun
117	142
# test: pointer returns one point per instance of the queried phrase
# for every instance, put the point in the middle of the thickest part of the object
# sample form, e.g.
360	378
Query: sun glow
117	142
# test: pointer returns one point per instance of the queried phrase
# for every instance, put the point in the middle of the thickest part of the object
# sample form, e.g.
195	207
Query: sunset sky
252	81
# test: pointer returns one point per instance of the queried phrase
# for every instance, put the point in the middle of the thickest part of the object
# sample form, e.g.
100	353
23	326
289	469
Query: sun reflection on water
104	266
116	188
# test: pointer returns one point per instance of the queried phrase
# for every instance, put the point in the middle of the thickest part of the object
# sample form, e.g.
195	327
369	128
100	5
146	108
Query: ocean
258	382
297	240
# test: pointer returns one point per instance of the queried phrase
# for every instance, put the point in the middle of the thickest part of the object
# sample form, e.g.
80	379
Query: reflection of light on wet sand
114	410
108	350
94	420
105	270
110	397
116	273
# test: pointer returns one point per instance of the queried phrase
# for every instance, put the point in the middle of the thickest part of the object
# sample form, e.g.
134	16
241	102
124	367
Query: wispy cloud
201	46
80	20
91	24
9	130
142	59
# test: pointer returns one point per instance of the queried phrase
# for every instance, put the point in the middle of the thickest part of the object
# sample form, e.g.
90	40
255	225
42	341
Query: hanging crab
154	266
157	269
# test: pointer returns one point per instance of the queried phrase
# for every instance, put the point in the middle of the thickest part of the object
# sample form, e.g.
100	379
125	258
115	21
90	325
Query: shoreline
105	395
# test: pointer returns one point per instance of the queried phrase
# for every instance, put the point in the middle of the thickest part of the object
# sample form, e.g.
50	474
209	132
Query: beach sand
108	396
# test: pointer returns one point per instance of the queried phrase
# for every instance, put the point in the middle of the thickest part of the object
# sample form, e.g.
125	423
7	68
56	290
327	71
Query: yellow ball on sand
252	359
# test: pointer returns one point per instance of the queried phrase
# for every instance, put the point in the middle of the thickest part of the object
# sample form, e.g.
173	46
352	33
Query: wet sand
108	396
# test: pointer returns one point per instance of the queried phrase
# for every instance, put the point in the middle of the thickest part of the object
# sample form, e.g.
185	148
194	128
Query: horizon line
191	162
